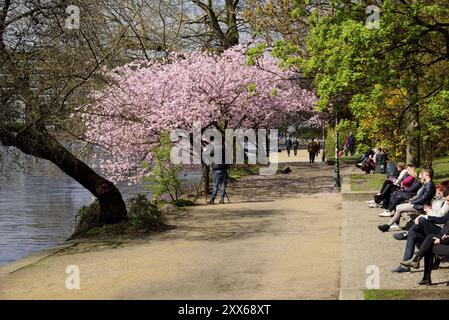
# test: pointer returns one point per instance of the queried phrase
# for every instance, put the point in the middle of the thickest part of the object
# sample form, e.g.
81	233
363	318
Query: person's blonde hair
412	168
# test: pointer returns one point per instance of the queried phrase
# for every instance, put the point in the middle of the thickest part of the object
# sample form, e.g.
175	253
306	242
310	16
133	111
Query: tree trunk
39	143
412	130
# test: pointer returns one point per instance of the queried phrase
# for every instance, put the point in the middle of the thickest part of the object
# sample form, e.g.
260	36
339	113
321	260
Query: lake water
38	211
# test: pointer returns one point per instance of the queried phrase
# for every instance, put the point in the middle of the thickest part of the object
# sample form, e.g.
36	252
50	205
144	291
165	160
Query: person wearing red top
404	181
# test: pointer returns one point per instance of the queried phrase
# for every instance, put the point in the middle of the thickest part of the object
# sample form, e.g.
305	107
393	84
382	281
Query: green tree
408	54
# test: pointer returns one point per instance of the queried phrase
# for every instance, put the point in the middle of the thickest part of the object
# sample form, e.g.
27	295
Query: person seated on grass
414	205
404	180
433	246
424	225
402	195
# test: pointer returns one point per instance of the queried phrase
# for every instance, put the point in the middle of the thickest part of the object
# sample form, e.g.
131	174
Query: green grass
441	168
239	171
367	182
355	157
424	294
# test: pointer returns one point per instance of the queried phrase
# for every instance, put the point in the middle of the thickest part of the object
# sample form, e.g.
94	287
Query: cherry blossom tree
219	91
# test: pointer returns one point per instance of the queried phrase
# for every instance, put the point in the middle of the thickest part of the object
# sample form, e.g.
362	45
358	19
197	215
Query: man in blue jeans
220	176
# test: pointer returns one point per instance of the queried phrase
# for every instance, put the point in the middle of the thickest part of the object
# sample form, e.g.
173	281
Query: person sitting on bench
433	245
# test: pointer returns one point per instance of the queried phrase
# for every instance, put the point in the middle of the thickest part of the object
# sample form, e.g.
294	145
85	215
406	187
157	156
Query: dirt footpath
278	239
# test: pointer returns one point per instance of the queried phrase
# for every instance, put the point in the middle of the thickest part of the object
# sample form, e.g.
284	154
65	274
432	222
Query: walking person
311	148
295	146
350	144
318	148
288	145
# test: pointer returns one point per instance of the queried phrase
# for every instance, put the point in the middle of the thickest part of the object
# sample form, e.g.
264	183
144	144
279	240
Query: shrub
88	218
144	215
164	178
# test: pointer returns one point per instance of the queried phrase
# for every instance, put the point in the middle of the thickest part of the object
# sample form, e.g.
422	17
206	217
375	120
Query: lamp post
337	160
324	145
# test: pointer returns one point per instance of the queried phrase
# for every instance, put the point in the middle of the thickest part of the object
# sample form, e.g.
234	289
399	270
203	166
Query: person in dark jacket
416	204
295	146
436	242
311	148
402	195
365	157
288	145
404	180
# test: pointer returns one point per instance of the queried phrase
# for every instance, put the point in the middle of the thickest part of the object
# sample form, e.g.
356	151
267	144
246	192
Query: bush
144	215
88	218
164	178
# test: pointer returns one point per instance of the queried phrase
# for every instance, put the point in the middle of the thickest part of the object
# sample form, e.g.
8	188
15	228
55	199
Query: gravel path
278	239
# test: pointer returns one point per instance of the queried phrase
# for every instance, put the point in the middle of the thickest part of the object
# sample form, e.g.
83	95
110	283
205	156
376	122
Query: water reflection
38	211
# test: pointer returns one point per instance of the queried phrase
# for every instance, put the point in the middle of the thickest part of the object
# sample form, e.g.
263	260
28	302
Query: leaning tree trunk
39	143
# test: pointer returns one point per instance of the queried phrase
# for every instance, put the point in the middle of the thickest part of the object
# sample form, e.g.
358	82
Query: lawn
425	294
373	182
441	167
367	182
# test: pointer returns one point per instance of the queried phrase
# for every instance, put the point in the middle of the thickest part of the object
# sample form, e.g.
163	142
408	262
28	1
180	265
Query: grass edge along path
412	294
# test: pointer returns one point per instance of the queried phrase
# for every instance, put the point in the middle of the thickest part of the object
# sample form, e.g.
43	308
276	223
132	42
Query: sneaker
400	236
401	269
383	227
374	205
395	227
386	213
370	201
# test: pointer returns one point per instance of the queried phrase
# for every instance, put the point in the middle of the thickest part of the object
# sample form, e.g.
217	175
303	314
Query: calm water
37	212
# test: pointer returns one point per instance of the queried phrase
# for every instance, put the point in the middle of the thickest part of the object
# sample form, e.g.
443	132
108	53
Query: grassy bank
428	294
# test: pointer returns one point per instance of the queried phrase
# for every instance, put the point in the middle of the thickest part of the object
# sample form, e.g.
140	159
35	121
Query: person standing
220	172
311	148
295	146
288	145
318	147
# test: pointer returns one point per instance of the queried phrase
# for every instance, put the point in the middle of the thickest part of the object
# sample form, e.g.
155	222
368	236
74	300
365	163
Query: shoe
222	201
412	263
426	281
400	236
401	269
374	205
386	213
383	227
370	201
395	227
211	201
436	263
